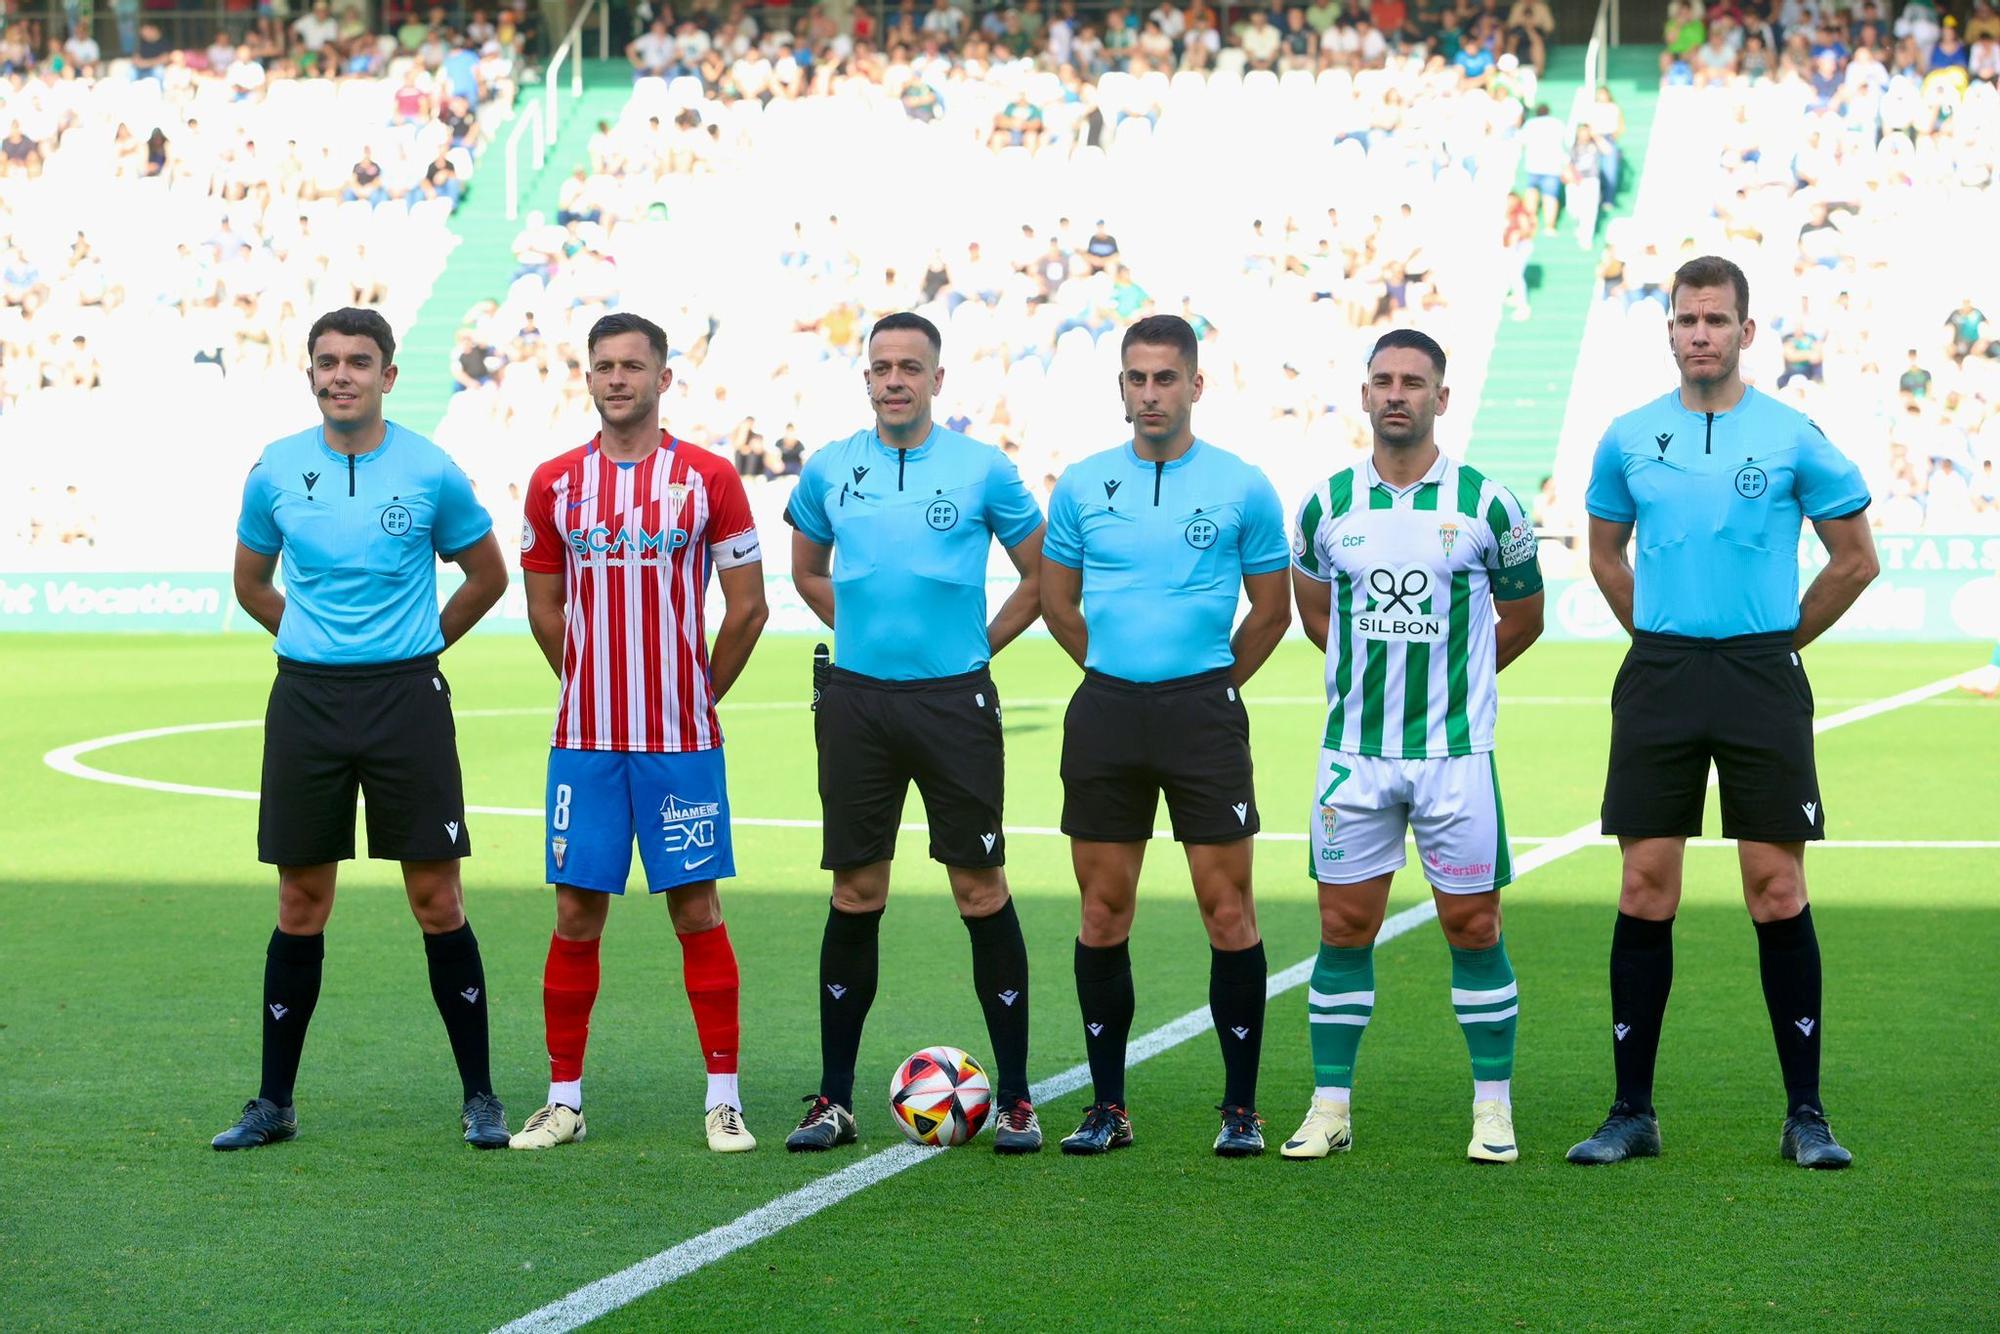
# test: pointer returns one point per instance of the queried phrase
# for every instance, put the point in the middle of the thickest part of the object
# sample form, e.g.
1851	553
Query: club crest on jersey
672	497
1447	537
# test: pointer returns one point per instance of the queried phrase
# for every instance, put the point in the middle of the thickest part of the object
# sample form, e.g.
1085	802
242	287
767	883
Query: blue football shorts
676	805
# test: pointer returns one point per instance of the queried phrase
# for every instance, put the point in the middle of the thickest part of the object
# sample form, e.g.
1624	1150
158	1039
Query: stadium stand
174	220
1849	168
1030	211
1032	180
1553	223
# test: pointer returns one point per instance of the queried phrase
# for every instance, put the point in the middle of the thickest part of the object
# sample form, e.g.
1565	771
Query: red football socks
709	965
569	989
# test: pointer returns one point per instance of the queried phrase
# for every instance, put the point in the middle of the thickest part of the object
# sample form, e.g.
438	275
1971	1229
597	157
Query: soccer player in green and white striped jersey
1418	576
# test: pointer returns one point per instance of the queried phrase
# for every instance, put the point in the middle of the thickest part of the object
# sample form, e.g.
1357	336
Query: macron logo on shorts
451	828
1242	809
1811	808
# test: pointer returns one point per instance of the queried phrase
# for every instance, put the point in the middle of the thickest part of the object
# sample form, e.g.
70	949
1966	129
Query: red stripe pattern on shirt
634	547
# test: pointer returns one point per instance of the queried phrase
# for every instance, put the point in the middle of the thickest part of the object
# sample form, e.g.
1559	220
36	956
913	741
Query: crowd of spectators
1032	211
740	52
232	145
1022	188
172	218
253	44
1738	41
1852	173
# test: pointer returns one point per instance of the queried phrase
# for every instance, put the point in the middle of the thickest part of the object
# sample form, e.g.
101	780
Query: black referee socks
1104	991
1000	976
849	964
292	966
1236	1000
1642	973
458	985
1788	957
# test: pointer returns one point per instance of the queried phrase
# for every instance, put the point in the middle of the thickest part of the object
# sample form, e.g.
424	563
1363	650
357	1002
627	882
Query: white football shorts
1364	804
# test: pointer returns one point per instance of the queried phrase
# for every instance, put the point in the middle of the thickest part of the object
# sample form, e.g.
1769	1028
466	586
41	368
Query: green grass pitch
132	926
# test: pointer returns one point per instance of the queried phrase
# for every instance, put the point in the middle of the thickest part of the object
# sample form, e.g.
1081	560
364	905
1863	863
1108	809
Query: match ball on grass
940	1097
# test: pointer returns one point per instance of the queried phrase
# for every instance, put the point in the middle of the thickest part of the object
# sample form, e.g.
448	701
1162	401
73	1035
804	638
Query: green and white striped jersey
1409	650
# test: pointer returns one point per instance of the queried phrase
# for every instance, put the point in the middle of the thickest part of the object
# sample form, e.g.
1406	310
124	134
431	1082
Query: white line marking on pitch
608	1294
676	1262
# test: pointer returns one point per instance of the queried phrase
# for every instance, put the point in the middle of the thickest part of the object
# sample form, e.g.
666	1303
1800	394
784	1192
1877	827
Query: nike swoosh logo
740	552
575	505
687	865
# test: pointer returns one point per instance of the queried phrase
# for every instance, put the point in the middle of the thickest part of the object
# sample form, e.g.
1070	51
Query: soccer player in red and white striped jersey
620	539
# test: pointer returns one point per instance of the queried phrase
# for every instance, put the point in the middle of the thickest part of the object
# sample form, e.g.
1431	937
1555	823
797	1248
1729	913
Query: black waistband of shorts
357	671
978	676
1172	685
1769	641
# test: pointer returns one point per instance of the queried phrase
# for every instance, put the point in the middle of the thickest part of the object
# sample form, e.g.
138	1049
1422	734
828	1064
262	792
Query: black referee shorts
1742	702
1125	742
875	737
384	730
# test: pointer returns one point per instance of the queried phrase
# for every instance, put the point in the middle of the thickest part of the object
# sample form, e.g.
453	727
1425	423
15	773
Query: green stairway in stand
482	265
1527	387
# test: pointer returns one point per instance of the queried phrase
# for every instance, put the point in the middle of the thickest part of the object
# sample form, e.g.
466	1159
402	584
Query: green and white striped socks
1339	1002
1488	1003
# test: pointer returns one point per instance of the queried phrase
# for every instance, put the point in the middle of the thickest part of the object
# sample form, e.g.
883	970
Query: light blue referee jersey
911	530
1717	499
358	538
1163	548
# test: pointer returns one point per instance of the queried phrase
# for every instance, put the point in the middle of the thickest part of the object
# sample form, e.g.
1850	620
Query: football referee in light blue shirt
358	510
1148	546
1715	478
892	528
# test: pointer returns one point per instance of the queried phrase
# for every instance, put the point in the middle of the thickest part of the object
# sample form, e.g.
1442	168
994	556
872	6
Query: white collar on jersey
1436	474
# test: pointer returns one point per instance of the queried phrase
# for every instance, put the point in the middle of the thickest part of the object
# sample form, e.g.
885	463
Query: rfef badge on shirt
1717	499
358	538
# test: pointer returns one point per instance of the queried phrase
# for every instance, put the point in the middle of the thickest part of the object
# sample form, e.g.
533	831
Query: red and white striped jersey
635	544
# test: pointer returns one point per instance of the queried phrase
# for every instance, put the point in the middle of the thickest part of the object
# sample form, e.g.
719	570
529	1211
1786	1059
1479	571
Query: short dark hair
1415	339
1713	271
914	323
1164	331
624	322
355	322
